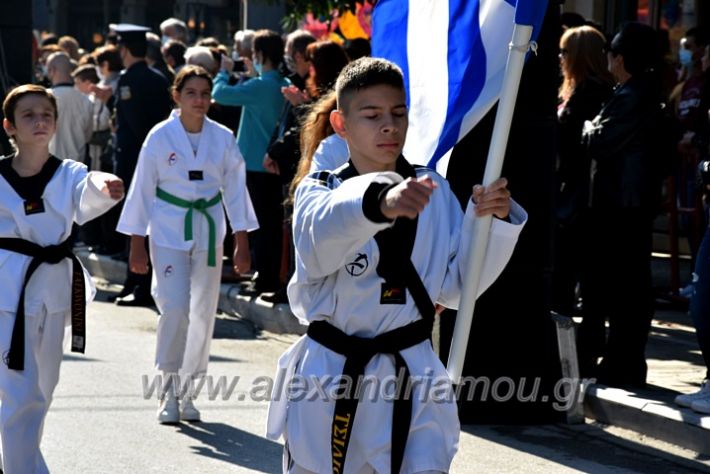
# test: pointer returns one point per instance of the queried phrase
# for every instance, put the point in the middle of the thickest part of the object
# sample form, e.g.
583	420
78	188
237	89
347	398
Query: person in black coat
622	142
586	86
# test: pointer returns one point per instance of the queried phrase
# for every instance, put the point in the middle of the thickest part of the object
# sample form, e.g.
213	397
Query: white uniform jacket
167	161
331	154
70	196
336	280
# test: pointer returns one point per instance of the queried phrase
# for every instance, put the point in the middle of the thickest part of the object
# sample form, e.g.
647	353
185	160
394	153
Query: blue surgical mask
164	39
258	67
685	56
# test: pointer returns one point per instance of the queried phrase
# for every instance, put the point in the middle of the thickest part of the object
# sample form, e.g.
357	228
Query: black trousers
616	286
265	243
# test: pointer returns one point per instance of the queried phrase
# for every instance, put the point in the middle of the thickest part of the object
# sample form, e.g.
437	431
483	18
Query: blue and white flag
453	54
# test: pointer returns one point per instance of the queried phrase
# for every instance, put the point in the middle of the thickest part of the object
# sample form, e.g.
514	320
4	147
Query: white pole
482	226
245	20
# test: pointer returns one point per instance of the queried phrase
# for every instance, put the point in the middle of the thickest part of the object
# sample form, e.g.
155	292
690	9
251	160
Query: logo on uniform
172	159
124	93
393	294
168	272
358	266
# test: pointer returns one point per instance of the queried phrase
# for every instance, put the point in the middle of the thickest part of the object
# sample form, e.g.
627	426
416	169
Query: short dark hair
358	48
365	73
13	97
300	40
638	44
176	50
111	55
87	72
270	45
138	49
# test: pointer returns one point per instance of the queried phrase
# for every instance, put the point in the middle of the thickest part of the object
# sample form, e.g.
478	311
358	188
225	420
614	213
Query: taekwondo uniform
331	154
342	286
36	217
176	196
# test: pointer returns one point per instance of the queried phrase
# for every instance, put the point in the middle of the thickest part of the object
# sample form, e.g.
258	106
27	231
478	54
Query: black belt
53	254
358	351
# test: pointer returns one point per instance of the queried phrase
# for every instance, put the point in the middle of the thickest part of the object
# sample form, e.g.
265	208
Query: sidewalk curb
274	318
657	417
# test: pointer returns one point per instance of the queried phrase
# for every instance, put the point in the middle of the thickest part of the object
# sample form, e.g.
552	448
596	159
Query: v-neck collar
29	187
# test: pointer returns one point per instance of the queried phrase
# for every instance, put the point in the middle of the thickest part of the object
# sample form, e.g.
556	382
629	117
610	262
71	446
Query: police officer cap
128	33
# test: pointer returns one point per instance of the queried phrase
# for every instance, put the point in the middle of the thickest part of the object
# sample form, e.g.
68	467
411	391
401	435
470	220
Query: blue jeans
700	300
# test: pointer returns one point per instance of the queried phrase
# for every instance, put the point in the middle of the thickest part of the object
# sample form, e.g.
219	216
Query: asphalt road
101	422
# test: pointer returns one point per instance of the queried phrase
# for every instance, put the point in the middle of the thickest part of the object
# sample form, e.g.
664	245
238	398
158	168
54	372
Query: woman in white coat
188	167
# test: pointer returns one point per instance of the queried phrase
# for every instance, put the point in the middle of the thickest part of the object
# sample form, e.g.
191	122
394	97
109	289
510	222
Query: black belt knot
53	254
358	352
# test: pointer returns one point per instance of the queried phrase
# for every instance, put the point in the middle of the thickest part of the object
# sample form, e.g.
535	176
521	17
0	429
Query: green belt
200	205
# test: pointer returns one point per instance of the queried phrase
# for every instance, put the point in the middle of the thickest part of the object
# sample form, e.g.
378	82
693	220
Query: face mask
686	57
164	39
43	68
102	78
290	63
235	56
258	67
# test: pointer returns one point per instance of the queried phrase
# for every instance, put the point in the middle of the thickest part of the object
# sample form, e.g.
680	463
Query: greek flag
453	54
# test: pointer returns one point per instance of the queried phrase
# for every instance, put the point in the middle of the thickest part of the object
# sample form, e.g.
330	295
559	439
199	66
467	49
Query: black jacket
573	162
623	143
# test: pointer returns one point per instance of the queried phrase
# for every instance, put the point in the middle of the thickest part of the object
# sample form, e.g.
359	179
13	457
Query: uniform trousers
186	291
25	395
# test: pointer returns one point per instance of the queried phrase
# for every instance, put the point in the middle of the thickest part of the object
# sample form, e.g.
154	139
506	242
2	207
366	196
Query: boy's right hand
408	198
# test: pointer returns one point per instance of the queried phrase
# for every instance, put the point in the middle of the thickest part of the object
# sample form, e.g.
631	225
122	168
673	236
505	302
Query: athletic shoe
701	405
687	399
188	412
169	412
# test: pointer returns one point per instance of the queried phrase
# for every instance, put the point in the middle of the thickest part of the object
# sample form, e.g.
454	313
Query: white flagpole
482	226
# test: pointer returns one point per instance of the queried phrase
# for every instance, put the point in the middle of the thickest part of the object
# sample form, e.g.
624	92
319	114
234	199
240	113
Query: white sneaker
169	412
188	412
687	399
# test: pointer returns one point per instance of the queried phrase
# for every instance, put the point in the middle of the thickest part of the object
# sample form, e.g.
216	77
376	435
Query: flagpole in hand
482	225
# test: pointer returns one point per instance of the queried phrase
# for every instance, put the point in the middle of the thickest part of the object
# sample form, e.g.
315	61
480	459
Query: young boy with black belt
378	243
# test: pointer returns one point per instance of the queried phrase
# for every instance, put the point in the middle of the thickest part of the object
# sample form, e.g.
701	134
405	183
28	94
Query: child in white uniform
378	243
44	287
188	168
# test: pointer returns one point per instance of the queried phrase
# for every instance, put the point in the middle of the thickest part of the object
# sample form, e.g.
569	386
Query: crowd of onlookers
633	143
266	88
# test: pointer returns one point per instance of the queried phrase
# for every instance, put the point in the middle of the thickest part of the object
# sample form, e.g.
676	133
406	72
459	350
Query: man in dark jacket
622	142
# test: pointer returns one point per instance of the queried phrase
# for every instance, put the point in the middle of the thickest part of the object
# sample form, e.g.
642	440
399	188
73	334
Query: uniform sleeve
329	224
501	243
235	195
245	93
90	201
330	155
135	216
